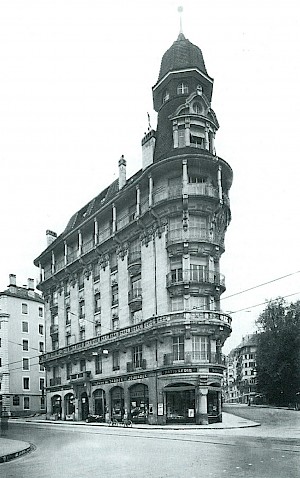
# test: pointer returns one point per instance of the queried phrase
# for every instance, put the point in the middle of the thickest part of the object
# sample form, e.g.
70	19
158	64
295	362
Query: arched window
165	96
182	89
197	108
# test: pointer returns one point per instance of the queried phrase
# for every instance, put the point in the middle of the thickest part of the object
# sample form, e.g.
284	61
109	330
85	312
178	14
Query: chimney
148	144
12	287
51	236
122	172
30	284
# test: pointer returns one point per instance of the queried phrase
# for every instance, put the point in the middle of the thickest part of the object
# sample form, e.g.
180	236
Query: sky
76	81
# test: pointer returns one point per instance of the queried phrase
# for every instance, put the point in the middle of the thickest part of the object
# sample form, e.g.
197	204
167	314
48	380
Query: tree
278	352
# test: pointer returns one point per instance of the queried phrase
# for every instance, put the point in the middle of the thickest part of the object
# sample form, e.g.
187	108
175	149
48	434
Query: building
22	378
240	383
132	285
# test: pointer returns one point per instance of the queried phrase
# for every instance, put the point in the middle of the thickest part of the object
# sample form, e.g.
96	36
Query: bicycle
113	423
126	422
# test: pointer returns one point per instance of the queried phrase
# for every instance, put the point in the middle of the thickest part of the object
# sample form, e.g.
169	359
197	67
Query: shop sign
125	378
179	370
216	370
160	409
191	413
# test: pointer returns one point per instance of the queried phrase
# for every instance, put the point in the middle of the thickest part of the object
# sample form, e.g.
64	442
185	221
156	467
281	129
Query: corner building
133	284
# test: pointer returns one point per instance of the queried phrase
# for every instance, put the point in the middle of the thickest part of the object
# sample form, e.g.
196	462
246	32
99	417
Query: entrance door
84	406
181	405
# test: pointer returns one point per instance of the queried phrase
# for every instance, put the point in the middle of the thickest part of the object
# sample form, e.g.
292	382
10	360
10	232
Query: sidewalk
10	449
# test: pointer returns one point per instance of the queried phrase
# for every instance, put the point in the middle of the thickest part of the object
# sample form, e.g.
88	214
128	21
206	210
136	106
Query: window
96	271
116	360
16	400
67	289
41	347
176	275
178	348
42	383
26	403
165	96
25	345
82	365
68	339
40	311
43	403
54	344
97	302
115	323
181	137
68	316
114	294
177	303
98	329
82	335
25	364
137	356
41	329
81	309
69	370
98	364
113	262
197	108
25	383
80	280
24	309
199	348
182	89
24	326
42	368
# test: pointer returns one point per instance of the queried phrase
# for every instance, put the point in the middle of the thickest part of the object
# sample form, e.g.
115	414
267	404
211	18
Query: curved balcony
221	319
195	189
192	234
134	262
195	276
196	357
135	298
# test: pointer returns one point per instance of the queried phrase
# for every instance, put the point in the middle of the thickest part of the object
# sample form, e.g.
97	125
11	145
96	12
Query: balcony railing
202	190
88	246
195	357
190	276
135	294
55	381
194	234
53	329
134	257
80	376
156	322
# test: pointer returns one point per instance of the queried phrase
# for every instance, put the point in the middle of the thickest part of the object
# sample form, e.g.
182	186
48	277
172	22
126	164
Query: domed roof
182	54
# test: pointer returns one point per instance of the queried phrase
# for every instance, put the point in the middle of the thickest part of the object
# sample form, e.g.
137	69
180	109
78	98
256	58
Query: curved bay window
117	403
139	403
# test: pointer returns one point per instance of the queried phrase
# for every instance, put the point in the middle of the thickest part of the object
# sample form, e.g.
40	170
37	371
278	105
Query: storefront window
139	403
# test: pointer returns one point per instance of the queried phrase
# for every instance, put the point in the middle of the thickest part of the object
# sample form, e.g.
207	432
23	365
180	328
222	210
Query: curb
16	454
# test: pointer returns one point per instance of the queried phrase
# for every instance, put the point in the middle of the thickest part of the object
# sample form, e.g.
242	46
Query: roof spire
180	10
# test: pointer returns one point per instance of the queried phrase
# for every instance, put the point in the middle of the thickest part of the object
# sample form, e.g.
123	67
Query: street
68	450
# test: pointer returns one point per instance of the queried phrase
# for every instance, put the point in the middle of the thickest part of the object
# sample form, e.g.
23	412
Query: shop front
69	406
84	406
117	403
180	403
56	408
99	403
139	403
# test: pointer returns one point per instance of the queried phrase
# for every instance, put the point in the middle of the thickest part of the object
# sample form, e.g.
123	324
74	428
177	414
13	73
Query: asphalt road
67	450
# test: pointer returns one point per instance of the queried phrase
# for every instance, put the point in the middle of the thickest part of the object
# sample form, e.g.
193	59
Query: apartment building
22	340
132	285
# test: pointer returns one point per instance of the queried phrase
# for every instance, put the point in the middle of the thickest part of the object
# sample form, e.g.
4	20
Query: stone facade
132	285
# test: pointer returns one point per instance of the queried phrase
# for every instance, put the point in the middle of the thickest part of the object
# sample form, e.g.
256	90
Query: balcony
200	189
195	276
53	330
192	234
135	298
55	381
88	246
149	325
196	357
134	262
80	377
132	366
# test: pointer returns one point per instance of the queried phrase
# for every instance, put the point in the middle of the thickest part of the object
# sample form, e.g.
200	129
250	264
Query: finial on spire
180	10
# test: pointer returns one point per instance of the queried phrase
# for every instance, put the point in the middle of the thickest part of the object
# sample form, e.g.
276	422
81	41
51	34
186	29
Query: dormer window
166	96
182	89
197	108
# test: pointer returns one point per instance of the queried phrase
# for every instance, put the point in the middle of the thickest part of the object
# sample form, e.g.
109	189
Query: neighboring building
133	284
22	378
240	383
